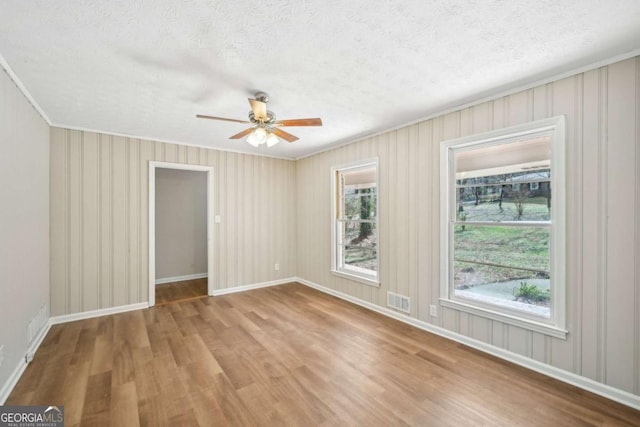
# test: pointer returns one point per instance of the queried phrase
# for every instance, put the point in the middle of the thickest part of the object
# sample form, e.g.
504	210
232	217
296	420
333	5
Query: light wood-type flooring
179	291
288	355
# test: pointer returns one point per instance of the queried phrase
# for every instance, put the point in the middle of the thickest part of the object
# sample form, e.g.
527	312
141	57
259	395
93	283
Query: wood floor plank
288	355
206	409
124	405
85	347
102	355
97	400
151	413
259	400
75	386
235	410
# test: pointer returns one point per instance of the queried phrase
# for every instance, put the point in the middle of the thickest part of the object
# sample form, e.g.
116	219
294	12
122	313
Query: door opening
180	231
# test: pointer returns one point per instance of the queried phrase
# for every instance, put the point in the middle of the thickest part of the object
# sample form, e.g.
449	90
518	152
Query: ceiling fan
265	128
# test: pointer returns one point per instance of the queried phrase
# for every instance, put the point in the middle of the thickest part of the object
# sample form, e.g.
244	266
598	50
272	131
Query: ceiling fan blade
284	135
299	122
259	109
241	134
201	116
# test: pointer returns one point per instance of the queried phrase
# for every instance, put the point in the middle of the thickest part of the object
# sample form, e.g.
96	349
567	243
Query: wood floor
179	291
288	355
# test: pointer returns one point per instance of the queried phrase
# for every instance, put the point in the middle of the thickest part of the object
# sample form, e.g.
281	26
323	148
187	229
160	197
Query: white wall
99	217
181	223
24	221
602	109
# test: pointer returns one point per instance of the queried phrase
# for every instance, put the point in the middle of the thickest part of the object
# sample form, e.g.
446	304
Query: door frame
153	165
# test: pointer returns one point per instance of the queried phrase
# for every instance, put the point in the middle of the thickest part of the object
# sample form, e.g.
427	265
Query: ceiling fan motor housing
271	117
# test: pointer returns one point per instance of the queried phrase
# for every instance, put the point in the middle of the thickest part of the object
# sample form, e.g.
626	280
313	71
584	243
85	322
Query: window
355	222
503	213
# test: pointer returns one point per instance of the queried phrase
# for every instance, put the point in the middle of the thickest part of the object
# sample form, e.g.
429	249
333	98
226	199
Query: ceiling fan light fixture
260	135
252	140
272	140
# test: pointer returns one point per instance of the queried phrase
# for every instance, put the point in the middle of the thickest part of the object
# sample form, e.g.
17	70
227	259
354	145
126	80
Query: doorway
180	231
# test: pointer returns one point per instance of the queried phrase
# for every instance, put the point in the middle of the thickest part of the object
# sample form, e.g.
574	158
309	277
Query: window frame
556	325
354	273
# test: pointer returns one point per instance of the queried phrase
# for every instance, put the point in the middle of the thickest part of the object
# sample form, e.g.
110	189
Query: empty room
320	213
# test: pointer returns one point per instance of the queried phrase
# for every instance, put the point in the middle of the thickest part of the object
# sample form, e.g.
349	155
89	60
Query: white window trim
353	273
556	326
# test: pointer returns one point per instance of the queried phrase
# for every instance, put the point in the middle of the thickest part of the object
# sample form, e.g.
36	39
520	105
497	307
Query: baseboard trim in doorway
217	292
181	278
584	383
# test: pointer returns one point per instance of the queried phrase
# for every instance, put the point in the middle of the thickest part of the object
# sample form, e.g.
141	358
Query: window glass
497	259
356	237
503	225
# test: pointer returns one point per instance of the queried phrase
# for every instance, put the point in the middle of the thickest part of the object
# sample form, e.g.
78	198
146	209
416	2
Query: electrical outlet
1	355
433	310
276	267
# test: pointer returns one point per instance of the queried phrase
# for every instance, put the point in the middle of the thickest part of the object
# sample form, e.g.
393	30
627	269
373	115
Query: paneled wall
602	109
99	217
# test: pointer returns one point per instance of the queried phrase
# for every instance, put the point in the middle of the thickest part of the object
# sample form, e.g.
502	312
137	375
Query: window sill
531	325
365	280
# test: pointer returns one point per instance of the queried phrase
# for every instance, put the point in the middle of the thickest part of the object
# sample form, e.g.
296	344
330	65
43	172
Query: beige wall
602	108
99	217
24	222
181	223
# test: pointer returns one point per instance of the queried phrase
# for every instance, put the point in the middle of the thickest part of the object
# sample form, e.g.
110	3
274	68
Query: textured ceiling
146	68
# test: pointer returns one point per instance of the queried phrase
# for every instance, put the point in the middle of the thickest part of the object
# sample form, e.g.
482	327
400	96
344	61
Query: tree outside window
355	221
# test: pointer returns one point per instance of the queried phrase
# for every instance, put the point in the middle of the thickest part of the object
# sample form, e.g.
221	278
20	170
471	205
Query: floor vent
399	302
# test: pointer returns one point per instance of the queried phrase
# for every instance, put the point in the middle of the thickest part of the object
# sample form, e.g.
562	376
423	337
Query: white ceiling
146	68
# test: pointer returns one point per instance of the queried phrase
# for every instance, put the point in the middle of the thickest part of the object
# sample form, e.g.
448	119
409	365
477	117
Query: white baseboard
11	382
181	278
38	339
97	313
604	390
217	292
